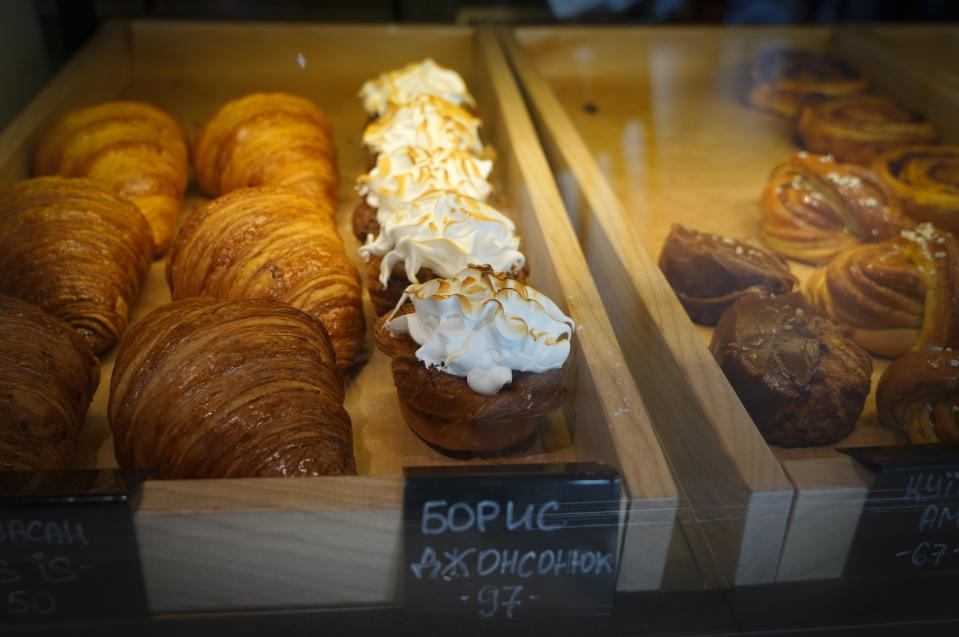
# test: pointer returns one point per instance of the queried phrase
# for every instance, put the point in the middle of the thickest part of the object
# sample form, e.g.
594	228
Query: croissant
926	180
781	79
48	375
75	249
857	128
274	243
267	139
919	393
895	296
813	208
134	149
204	388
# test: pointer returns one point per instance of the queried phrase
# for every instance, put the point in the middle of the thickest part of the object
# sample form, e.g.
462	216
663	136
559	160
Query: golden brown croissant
274	243
75	249
813	208
895	296
48	375
857	128
781	79
205	388
267	139
919	393
135	149
926	180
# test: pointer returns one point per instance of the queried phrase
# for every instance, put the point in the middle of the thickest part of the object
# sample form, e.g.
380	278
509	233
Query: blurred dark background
38	36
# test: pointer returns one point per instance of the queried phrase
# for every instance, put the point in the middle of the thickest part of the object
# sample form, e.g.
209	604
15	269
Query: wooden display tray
267	543
646	127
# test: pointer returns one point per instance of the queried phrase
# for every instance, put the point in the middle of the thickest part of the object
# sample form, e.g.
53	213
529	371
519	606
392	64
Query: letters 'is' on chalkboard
67	547
910	520
507	543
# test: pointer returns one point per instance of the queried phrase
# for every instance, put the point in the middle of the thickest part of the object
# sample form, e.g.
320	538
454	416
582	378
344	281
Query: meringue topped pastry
404	84
425	122
483	326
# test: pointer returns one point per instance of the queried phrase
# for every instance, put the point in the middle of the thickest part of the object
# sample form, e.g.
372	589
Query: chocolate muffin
801	380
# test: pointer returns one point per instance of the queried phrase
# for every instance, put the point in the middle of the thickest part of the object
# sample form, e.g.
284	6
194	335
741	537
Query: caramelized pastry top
426	122
926	179
484	326
709	272
919	393
780	79
405	84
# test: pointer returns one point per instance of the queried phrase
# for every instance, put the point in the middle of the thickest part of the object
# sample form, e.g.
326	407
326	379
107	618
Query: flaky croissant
926	180
47	378
77	250
135	149
274	243
813	208
896	296
205	388
919	393
267	139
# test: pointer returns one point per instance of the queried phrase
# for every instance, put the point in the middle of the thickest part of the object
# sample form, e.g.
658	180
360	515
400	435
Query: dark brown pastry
802	382
813	208
204	389
919	393
781	79
926	180
75	249
364	221
48	375
709	272
857	128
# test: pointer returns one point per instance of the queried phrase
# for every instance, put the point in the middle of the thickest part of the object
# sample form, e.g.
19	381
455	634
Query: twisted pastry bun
781	79
896	296
77	250
132	148
219	389
273	243
709	272
857	128
919	393
926	180
267	139
813	208
48	375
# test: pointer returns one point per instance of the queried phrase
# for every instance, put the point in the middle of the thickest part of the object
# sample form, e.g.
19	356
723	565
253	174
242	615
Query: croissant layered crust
273	243
895	296
781	79
926	180
134	149
205	388
919	393
48	375
813	208
857	128
267	139
75	249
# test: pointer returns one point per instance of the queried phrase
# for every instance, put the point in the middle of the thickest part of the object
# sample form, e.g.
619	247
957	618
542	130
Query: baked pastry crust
926	180
919	393
896	296
204	388
857	128
780	79
709	272
813	208
273	243
132	148
802	382
267	139
48	375
77	250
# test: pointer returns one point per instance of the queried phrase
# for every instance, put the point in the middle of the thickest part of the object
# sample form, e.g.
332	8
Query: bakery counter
650	127
229	544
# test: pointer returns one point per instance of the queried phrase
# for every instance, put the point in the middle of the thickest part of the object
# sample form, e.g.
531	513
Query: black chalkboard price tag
67	547
910	520
508	543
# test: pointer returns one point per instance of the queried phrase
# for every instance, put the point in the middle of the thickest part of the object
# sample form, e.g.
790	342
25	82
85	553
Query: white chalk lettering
541	523
38	532
525	522
425	528
488	562
936	516
486	511
7	574
457	563
521	569
463	526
